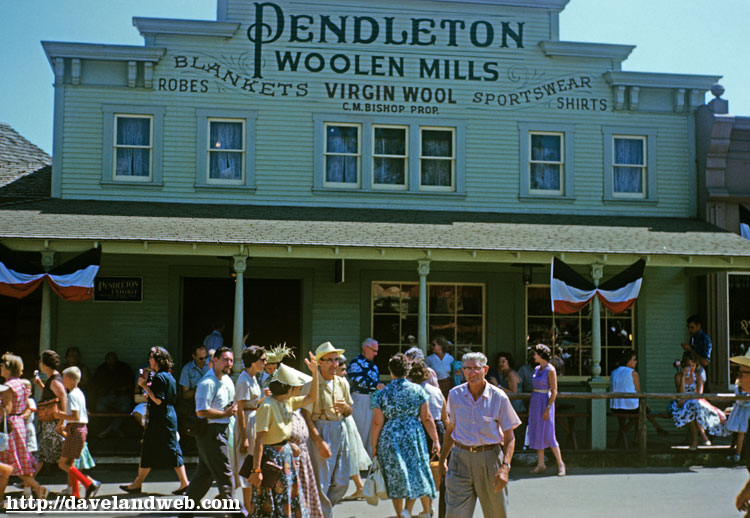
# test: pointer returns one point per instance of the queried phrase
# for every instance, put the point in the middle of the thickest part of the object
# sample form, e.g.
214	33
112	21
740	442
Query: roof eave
659	80
149	26
97	51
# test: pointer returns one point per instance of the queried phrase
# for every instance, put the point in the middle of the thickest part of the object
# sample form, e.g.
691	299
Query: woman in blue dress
398	439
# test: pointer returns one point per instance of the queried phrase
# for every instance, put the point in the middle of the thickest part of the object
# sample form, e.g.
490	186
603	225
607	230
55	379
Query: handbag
45	410
435	468
268	469
374	488
4	437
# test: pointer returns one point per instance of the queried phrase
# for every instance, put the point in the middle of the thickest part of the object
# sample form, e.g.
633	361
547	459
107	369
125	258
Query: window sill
110	183
637	201
549	197
225	188
388	192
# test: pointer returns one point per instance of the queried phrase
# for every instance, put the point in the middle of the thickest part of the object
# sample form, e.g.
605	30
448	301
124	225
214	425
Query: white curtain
342	168
545	148
225	165
390	141
628	179
437	144
132	131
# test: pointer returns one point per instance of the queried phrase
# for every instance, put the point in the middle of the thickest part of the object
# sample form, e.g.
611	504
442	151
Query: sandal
538	470
561	471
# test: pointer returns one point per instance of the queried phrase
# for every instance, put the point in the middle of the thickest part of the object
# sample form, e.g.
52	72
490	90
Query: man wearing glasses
192	373
325	421
364	380
743	499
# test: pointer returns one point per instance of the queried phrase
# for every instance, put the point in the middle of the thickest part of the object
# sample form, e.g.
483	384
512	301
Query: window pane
628	179
225	166
540	330
437	172
133	131
545	177
132	162
390	141
410	297
409	330
386	298
225	135
442	299
385	352
619	333
469	300
444	325
389	171
539	301
629	151
341	169
342	139
546	148
385	328
469	330
436	143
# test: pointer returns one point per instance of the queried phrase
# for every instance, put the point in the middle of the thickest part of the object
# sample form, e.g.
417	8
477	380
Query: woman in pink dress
542	411
14	402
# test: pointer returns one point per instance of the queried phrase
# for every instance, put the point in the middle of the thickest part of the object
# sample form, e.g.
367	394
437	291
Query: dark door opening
19	328
273	312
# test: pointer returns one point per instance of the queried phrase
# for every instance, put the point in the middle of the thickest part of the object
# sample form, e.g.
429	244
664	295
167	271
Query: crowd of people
441	429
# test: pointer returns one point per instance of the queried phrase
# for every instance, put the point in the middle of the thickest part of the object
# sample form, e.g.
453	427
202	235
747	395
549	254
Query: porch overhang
363	234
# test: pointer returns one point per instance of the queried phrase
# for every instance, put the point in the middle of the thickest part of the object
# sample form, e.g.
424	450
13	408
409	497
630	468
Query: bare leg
410	505
693	426
558	458
29	481
540	459
247	496
5	473
704	437
358	482
398	505
426	504
182	475
740	441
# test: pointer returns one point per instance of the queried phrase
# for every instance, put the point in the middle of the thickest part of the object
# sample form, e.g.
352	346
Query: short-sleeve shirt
215	393
213	341
77	401
328	393
435	400
701	344
275	418
442	367
363	375
191	374
247	389
481	422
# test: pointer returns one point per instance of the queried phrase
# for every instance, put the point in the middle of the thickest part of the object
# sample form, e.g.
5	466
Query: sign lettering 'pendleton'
118	289
271	24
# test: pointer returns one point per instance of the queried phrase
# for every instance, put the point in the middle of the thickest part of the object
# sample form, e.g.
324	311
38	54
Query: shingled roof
24	168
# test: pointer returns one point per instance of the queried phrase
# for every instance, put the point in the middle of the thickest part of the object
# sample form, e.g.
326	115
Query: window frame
203	118
368	122
110	113
438	188
405	157
582	315
643	167
649	134
358	154
453	348
567	182
209	150
561	164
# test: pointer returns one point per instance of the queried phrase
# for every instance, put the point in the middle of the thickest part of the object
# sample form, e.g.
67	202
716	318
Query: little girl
738	419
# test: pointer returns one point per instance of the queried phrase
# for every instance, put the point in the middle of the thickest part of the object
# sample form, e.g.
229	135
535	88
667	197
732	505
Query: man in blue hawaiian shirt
364	380
700	344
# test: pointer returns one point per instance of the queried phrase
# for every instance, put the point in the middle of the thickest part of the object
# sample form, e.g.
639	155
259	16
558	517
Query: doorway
19	328
273	312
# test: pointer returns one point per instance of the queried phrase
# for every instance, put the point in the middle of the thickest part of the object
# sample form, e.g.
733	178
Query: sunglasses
201	357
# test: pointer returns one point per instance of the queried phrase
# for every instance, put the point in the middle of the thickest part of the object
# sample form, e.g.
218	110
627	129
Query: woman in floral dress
14	402
398	439
700	415
273	428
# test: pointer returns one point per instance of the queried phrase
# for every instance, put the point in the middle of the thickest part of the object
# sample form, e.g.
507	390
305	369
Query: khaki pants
470	476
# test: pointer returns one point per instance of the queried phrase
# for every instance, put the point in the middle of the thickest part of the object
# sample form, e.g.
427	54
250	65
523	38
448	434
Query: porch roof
278	231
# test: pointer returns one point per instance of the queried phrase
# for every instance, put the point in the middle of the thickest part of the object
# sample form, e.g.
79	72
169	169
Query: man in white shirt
214	401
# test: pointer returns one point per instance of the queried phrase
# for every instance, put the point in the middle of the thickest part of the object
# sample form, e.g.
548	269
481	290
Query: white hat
3	387
290	376
327	348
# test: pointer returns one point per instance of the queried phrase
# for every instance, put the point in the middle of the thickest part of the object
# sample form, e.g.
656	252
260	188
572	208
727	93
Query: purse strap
5	419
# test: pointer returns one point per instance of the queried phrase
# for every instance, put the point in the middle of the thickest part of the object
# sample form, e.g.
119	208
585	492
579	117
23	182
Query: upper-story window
132	144
133	147
388	154
437	159
546	160
390	157
629	166
342	154
226	151
546	163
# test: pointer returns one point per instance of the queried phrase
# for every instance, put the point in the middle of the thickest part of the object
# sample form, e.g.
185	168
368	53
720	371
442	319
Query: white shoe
405	514
67	491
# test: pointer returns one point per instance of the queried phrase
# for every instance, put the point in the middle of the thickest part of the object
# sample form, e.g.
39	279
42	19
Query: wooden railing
641	396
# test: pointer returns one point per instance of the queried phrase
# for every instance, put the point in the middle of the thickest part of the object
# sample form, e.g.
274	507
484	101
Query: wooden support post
642	417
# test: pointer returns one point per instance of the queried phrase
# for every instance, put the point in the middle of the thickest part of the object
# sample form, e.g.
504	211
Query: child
75	434
738	419
28	418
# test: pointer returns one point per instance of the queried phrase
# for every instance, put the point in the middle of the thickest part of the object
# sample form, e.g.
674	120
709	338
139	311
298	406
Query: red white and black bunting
570	292
73	280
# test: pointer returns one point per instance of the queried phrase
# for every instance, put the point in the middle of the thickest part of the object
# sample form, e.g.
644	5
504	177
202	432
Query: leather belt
541	391
475	449
331	420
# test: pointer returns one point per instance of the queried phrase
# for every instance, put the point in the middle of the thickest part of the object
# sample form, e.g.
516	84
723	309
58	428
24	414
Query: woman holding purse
273	427
50	431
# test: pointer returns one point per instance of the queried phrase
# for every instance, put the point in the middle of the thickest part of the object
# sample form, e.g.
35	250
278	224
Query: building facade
314	172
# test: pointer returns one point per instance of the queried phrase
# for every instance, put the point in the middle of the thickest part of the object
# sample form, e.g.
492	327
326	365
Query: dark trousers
213	464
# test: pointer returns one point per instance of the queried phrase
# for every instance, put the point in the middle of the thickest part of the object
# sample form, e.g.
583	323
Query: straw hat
3	387
326	348
278	353
290	376
740	360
